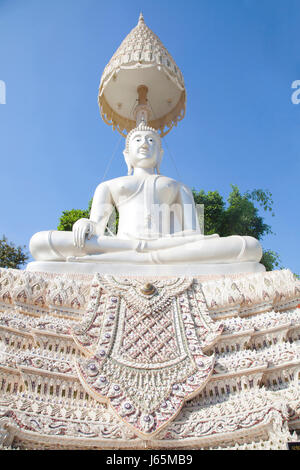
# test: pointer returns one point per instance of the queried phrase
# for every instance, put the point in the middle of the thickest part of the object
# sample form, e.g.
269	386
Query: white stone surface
145	270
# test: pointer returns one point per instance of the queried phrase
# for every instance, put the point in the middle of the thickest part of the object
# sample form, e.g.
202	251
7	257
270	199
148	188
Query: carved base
103	362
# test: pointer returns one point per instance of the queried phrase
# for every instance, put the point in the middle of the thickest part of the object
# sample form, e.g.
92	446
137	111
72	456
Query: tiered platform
98	362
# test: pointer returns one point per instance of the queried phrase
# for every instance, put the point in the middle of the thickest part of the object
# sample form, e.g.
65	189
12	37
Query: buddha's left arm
186	201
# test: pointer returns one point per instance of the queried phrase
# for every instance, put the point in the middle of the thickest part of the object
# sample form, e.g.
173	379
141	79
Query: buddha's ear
129	167
159	161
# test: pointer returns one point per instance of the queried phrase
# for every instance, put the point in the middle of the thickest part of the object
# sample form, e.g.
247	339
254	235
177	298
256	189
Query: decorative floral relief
148	359
145	346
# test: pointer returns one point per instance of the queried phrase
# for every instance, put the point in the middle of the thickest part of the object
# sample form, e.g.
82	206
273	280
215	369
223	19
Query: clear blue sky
239	59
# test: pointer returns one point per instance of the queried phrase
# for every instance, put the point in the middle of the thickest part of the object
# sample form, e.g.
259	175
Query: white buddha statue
158	223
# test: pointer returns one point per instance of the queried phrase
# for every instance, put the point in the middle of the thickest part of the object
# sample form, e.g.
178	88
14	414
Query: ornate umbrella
141	82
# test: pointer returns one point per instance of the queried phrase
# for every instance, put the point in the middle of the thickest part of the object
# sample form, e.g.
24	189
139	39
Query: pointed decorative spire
141	18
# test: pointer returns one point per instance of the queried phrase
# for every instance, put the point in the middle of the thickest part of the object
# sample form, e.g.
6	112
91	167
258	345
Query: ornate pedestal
96	361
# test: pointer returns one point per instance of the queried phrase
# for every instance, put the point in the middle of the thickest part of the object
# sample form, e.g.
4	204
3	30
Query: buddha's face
144	150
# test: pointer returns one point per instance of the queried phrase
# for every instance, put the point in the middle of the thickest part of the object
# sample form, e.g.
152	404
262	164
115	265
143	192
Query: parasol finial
141	18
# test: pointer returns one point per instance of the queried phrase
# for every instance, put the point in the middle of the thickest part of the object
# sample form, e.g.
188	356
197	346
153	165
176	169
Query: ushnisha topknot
140	127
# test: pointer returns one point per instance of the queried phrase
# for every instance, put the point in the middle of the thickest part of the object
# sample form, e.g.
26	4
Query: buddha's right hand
81	229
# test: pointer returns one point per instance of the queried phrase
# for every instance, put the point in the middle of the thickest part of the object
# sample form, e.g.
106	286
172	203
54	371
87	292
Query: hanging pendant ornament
142	84
142	111
147	359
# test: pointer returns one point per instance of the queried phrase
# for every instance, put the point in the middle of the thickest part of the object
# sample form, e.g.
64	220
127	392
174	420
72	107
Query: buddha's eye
150	140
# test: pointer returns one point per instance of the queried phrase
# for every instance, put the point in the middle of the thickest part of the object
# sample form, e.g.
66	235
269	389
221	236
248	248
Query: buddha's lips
143	155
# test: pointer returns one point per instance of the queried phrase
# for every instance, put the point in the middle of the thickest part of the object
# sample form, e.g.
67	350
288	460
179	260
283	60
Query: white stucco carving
54	329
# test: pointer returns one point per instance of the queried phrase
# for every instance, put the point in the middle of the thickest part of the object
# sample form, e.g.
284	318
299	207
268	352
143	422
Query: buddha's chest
152	190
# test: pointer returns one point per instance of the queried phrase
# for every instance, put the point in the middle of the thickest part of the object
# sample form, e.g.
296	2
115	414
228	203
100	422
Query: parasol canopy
142	61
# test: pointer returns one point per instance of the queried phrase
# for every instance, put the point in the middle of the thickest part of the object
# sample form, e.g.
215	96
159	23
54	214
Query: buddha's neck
143	171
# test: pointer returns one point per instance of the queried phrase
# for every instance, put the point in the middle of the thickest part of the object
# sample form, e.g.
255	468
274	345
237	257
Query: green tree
68	218
12	256
271	260
239	215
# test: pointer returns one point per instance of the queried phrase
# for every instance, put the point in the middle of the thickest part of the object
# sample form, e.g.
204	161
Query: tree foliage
12	256
239	215
68	218
271	260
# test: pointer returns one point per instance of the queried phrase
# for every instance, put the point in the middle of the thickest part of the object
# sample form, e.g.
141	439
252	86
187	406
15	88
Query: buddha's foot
72	259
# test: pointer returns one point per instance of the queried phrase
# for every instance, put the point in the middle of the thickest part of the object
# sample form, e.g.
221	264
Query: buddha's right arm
102	207
101	210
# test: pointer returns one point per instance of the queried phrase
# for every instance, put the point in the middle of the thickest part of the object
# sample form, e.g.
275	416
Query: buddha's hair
140	127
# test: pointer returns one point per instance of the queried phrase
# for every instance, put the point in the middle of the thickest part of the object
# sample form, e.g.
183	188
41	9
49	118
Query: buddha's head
143	149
